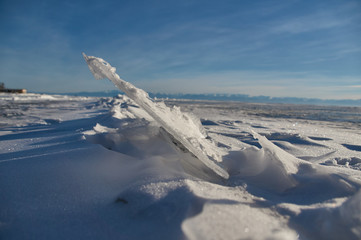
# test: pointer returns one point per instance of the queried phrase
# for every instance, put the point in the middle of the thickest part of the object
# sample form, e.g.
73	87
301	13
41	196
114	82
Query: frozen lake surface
101	168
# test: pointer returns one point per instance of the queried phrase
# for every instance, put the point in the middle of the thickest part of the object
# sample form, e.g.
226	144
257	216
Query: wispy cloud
309	23
323	17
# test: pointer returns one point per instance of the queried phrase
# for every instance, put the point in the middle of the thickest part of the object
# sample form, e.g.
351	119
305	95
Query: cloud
320	17
309	23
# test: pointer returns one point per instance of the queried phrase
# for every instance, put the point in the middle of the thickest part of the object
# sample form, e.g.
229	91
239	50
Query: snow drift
260	177
266	167
94	168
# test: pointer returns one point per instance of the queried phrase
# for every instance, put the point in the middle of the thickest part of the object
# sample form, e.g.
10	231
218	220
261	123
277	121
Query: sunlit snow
104	168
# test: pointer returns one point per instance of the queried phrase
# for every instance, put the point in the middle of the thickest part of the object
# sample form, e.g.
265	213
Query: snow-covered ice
102	168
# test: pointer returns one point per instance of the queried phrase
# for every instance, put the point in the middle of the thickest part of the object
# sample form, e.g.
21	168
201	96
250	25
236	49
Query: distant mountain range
232	97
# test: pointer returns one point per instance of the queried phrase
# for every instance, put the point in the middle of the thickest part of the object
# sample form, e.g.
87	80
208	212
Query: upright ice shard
178	127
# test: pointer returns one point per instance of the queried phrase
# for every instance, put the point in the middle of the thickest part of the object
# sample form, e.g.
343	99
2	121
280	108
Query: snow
103	168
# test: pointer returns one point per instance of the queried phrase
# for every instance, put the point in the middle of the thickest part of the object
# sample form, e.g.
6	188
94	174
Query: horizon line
222	97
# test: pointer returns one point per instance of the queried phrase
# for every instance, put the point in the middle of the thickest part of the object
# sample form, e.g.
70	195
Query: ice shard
181	130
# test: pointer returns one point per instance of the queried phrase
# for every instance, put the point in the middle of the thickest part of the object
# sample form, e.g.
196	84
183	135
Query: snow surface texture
102	168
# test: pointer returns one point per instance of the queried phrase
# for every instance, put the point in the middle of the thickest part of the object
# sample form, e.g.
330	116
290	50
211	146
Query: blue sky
273	48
